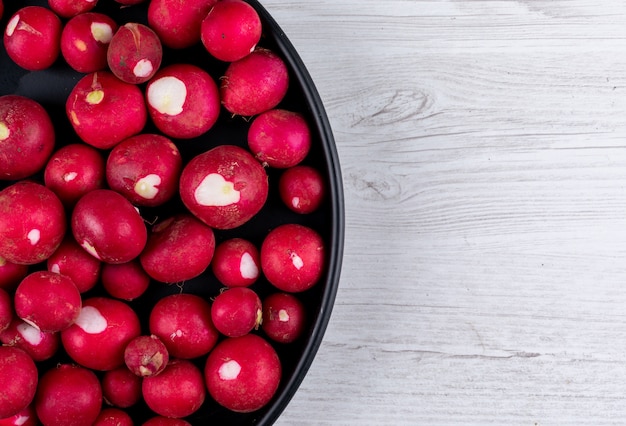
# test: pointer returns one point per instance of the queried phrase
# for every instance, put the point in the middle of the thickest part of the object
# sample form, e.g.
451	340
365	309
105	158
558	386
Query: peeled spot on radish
229	370
29	333
283	316
143	68
95	97
297	261
70	176
295	202
216	191
12	25
34	235
148	186
4	131
101	32
90	249
80	45
248	267
91	321
167	95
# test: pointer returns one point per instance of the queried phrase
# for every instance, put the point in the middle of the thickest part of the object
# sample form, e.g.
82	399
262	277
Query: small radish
236	263
224	187
135	53
113	417
231	30
11	274
178	27
243	373
302	189
104	110
72	261
146	356
254	84
85	39
177	392
121	388
183	101
32	223
27	137
145	169
32	38
108	226
48	301
166	421
70	8
284	317
40	345
126	281
18	380
292	257
6	310
236	311
178	249
26	417
279	138
68	395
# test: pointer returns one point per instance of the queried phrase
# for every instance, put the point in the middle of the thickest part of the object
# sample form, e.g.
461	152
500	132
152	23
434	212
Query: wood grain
483	149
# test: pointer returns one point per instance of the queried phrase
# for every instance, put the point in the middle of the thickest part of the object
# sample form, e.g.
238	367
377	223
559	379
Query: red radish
292	257
166	421
145	169
179	248
135	53
183	101
231	30
243	373
26	417
11	274
18	380
108	226
177	392
102	323
146	356
104	110
178	27
113	417
236	311
284	317
126	281
40	345
47	301
254	84
121	388
236	263
279	138
70	8
32	223
74	170
302	189
32	38
224	187
68	395
183	323
85	39
27	137
6	310
71	260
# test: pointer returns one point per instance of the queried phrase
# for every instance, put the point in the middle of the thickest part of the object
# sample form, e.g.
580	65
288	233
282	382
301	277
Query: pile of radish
132	287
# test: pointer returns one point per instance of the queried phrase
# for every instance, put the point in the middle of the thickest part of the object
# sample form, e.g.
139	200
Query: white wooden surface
483	148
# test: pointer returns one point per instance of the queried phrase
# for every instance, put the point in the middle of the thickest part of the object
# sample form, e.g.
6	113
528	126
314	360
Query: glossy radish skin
68	395
108	226
224	187
32	223
135	53
70	8
39	345
18	380
32	37
231	30
26	417
236	311
284	317
72	261
126	281
113	417
121	388
183	101
236	263
302	189
85	39
104	110
179	248
243	373
146	356
27	137
145	169
177	22
6	310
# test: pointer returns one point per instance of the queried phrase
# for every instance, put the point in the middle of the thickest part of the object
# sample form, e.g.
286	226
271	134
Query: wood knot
390	106
373	185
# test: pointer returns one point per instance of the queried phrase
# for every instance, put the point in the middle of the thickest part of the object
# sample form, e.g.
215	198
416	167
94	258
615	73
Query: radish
68	395
254	84
104	110
183	323
40	345
279	138
177	392
74	170
145	169
284	317
231	30
18	380
72	261
224	187
85	39
26	417
32	223
126	281
146	356
121	388
108	226
11	274
32	38
166	421
236	311
102	323
6	310
113	417
302	189
27	137
183	101
236	263
178	27
292	257
179	248
70	8
47	301
135	53
243	373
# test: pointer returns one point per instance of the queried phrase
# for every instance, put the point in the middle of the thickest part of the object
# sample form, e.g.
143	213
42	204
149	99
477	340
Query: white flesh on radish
4	132
29	333
295	202
229	370
167	95
297	261
80	45
55	268
12	25
143	68
215	191
90	249
34	235
283	315
69	176
148	186
91	321
247	267
101	32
